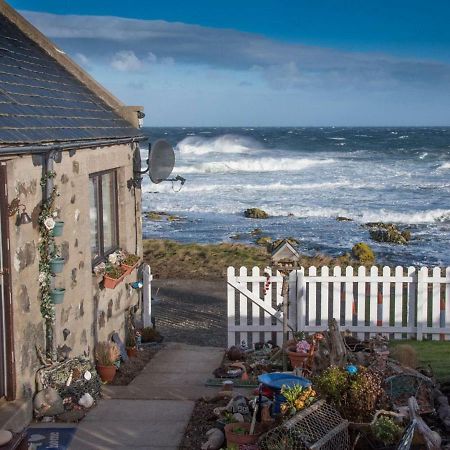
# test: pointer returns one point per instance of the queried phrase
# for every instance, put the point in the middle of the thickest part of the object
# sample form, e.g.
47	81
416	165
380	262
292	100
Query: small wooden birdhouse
285	254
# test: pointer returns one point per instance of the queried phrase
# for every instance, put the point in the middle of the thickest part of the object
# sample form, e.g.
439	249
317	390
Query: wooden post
147	278
285	293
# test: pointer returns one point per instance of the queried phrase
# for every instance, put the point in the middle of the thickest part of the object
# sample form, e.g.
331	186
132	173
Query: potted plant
386	432
56	261
58	228
301	354
106	354
113	275
130	262
57	295
131	345
239	433
149	334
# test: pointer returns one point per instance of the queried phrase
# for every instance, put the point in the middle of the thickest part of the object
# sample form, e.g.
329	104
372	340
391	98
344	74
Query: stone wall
88	313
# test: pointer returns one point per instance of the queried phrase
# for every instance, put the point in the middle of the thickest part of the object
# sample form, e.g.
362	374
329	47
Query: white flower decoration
42	278
55	214
49	223
112	258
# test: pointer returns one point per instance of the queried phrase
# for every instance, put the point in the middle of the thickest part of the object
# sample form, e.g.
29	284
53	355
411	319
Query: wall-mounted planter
129	269
57	295
111	283
57	265
58	228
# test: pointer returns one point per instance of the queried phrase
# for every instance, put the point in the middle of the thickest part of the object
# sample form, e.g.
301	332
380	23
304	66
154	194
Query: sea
305	178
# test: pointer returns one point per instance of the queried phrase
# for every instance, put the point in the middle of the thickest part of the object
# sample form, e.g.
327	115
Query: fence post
422	301
293	305
147	278
301	299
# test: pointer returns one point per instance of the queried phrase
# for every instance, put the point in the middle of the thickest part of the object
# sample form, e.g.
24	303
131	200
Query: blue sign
50	438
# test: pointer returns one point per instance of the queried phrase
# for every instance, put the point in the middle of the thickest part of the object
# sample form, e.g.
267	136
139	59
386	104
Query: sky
262	63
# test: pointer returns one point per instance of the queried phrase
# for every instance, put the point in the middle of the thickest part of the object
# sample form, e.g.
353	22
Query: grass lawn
435	353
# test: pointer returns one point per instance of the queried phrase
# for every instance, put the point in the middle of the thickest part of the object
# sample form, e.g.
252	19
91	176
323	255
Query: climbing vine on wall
47	247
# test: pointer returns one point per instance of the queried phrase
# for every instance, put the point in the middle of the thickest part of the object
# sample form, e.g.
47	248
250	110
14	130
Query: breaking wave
228	143
255	165
445	166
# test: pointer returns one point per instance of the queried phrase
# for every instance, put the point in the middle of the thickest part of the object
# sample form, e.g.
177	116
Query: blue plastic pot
57	265
57	295
58	228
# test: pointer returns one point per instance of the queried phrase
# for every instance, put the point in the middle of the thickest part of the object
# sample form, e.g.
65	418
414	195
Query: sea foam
227	143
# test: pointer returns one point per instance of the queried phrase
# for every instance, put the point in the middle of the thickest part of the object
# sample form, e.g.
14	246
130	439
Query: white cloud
126	61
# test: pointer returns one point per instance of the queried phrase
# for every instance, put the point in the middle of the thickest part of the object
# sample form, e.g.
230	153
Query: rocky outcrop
363	254
343	219
388	232
264	240
255	213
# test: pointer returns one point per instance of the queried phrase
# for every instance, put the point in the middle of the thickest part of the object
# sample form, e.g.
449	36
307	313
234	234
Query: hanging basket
129	269
58	228
57	265
57	295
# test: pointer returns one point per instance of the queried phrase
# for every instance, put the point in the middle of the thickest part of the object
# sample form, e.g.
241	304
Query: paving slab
153	411
133	424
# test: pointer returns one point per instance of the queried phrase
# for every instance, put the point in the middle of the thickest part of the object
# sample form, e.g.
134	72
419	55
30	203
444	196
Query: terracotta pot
132	352
237	438
111	283
297	359
106	373
129	269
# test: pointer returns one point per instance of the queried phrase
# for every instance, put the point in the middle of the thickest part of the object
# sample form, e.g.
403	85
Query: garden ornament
215	439
351	369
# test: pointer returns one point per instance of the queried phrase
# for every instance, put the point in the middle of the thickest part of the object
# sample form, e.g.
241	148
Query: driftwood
431	438
331	350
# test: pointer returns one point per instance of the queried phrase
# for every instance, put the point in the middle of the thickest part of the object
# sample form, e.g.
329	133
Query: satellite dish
161	161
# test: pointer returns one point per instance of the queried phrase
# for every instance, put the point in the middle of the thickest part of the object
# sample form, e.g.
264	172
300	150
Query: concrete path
153	411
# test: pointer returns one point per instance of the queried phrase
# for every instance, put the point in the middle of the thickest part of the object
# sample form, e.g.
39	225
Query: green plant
332	383
46	248
149	334
131	340
130	259
386	430
106	353
297	397
113	271
363	253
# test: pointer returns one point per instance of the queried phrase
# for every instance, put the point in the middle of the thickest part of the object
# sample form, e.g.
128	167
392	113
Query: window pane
109	211
93	214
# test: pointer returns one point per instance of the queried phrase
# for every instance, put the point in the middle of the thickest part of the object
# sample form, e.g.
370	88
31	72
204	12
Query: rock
236	237
5	437
388	232
173	218
238	417
215	439
363	253
152	215
86	400
255	213
265	241
256	232
343	219
235	353
48	403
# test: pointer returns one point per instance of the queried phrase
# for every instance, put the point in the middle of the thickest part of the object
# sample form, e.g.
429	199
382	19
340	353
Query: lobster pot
319	427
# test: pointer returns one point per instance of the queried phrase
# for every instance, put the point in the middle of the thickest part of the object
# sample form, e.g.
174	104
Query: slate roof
41	102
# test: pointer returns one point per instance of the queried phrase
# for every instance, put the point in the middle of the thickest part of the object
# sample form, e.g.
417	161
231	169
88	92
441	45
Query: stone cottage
60	133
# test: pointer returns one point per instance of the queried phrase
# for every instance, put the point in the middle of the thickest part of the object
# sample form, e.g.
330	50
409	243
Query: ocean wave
444	166
255	165
337	138
228	143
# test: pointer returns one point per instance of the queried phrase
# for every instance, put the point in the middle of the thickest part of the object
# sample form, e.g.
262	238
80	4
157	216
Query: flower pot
238	438
132	352
106	373
57	265
111	283
297	359
58	228
57	295
129	269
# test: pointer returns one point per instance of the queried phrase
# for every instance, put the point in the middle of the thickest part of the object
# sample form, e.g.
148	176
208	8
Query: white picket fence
397	302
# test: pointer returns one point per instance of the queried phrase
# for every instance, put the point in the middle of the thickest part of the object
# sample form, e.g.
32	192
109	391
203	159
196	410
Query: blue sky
262	63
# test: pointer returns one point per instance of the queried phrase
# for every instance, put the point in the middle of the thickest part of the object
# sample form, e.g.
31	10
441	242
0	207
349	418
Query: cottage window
103	214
